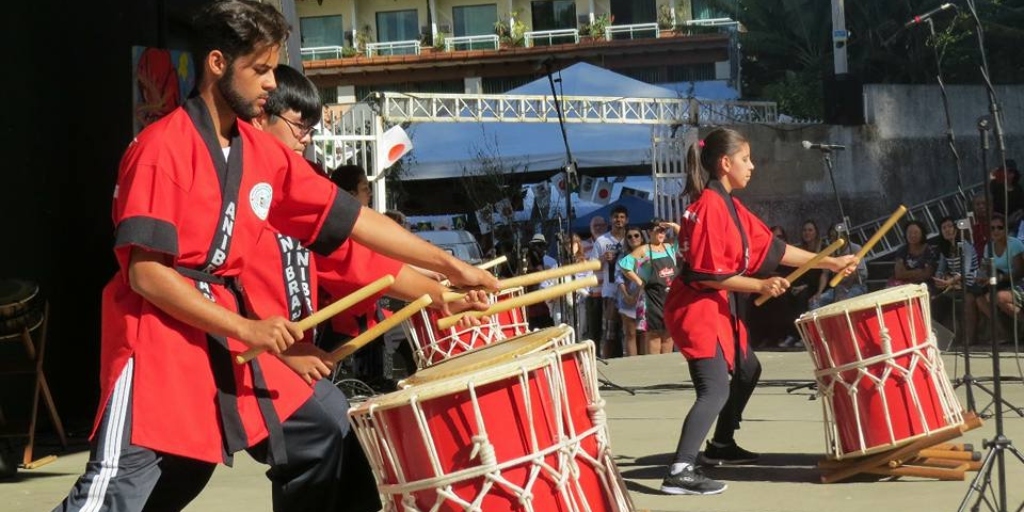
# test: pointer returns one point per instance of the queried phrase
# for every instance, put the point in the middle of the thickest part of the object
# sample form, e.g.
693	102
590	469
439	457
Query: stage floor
785	427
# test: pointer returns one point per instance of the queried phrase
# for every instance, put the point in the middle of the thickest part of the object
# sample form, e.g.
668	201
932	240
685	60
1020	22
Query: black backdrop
65	122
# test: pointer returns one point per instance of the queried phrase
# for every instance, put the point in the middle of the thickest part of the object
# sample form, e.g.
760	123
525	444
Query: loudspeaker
844	100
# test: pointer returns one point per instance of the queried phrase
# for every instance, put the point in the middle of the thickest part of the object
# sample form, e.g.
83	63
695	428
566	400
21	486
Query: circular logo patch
259	199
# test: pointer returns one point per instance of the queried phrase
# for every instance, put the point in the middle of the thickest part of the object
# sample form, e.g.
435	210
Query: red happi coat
699	317
344	271
176	195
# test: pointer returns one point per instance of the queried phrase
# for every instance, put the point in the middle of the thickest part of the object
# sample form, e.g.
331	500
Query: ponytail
697	176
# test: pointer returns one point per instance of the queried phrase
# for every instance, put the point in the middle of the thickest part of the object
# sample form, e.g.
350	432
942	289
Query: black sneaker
732	454
691	481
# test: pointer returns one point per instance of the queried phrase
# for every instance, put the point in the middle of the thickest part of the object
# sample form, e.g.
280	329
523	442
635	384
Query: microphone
924	17
823	147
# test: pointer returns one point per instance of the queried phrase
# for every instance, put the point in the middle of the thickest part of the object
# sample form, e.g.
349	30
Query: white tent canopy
452	150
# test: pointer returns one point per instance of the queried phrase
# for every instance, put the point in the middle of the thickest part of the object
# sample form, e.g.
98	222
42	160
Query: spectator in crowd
653	267
806	286
1007	258
630	297
851	286
1007	196
979	226
916	260
608	249
574	249
537	259
595	307
958	266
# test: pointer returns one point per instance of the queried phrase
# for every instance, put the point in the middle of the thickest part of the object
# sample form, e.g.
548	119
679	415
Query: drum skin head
877	298
487	356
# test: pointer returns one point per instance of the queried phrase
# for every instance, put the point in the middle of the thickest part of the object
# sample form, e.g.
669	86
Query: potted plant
597	28
511	32
666	20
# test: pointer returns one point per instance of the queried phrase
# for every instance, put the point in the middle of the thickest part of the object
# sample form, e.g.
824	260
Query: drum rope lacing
923	352
432	349
568	448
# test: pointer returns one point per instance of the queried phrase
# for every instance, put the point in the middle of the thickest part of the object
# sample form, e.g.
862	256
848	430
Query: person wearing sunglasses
653	267
1005	254
630	299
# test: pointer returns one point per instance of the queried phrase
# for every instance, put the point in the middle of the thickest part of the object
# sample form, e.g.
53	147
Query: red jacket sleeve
349	268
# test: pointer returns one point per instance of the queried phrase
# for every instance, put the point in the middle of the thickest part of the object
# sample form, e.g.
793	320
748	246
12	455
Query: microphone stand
571	183
826	156
571	178
997	447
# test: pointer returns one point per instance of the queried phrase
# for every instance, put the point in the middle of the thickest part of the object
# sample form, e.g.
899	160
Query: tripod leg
981	483
602	380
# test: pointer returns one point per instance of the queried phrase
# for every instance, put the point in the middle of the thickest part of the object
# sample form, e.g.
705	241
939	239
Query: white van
460	243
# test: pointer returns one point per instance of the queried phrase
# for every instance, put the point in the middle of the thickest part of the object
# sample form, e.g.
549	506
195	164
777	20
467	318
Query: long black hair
947	248
702	158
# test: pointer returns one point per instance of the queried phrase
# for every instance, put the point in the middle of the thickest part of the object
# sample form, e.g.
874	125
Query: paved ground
785	427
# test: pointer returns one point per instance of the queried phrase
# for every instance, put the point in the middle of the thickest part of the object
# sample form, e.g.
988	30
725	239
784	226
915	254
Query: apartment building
353	47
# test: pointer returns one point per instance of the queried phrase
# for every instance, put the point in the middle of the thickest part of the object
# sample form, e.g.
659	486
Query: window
319	31
398	26
553	14
631	12
474	20
708	9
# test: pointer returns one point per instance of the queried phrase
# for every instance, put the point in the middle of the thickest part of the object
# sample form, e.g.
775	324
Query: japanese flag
602	192
559	182
394	144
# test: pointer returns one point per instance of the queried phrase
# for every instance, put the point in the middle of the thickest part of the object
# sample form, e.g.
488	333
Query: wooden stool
928	457
24	322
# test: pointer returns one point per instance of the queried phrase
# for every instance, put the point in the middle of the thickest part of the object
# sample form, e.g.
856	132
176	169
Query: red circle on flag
603	193
396	152
561	185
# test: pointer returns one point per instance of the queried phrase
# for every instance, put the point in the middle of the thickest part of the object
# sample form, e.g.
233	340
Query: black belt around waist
222	365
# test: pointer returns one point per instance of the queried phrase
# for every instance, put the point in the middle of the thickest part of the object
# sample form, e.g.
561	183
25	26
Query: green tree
787	46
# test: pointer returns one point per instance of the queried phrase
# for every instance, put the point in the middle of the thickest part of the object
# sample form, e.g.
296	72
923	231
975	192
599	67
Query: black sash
222	365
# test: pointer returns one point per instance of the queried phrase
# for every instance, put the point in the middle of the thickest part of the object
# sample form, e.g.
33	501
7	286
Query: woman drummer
725	249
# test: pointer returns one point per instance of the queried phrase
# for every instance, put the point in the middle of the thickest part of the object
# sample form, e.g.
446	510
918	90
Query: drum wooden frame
527	433
431	345
876	355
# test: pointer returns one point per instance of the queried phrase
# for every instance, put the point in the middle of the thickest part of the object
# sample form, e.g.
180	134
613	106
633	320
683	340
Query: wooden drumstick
523	300
487	265
535	277
794	275
351	346
329	311
893	219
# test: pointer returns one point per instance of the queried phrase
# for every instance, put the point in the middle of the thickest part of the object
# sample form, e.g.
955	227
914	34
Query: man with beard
194	192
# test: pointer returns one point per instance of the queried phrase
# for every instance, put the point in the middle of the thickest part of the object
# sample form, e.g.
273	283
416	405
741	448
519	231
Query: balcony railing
635	31
322	52
486	41
393	48
549	37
